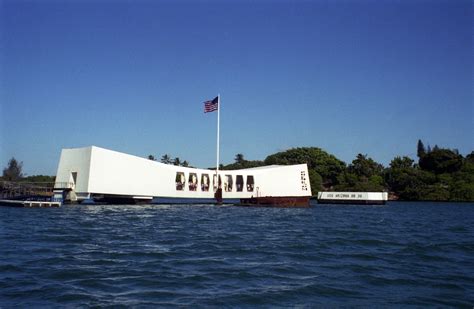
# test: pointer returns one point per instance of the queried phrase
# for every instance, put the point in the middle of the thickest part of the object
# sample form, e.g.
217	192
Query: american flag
210	106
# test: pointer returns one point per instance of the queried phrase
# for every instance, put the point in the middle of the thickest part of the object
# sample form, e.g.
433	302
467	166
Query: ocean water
398	255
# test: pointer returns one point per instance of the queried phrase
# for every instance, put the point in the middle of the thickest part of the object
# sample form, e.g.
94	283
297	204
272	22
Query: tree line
167	159
440	174
14	172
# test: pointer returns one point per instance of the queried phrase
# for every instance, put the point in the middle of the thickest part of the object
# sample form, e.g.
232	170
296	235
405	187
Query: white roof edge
75	148
182	167
92	147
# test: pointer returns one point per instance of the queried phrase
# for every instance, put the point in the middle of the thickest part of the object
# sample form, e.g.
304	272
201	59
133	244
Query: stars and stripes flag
211	106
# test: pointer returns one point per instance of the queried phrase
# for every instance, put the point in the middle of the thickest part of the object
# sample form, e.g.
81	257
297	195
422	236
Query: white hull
352	197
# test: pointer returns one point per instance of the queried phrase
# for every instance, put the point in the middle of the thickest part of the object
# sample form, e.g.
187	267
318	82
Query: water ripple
404	254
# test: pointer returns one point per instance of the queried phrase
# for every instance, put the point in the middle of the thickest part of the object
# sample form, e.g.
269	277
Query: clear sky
350	77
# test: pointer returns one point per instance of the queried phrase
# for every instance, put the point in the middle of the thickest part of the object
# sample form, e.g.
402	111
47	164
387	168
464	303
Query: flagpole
218	124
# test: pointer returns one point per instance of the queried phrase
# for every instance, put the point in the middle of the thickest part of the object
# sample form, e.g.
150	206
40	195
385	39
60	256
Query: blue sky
350	77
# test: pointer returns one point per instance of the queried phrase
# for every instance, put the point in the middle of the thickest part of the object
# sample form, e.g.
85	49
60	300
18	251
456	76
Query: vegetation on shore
166	159
14	172
440	174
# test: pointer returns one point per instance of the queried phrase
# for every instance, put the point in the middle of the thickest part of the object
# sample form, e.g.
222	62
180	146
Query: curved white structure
96	172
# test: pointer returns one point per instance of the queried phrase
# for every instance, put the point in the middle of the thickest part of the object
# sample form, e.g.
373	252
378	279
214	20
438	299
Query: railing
12	189
63	185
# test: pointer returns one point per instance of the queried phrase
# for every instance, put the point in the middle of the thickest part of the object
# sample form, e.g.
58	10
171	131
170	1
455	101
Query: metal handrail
15	189
18	188
63	185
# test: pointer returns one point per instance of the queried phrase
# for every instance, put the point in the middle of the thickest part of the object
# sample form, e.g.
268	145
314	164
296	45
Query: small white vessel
362	198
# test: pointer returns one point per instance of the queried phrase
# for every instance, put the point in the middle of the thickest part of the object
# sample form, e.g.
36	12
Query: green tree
365	167
462	185
412	184
347	181
185	163
351	182
39	178
401	163
420	149
435	192
13	171
409	182
177	161
239	158
441	161
242	165
324	164
316	181
166	159
363	174
470	157
151	157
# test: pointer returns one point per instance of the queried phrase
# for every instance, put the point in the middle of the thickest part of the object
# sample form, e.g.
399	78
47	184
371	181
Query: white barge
94	173
364	198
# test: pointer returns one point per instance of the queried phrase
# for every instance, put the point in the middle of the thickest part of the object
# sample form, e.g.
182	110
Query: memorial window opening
193	182
239	183
228	183
180	181
250	183
204	182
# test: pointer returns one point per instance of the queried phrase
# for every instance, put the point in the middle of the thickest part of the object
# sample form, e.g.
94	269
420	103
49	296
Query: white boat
365	198
105	175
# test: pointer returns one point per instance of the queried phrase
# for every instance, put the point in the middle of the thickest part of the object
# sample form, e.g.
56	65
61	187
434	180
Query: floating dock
20	203
358	198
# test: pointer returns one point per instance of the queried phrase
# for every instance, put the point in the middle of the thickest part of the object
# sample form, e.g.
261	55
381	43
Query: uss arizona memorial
101	174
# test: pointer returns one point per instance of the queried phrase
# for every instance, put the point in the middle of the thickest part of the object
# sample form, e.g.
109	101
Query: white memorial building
100	174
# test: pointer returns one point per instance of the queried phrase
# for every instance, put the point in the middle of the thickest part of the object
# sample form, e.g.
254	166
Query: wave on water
402	254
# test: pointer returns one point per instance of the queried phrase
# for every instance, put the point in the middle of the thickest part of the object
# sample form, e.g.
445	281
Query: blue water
403	254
